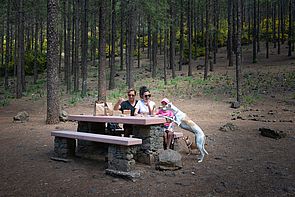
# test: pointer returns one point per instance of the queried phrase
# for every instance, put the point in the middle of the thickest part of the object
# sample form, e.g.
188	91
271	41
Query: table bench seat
120	150
109	139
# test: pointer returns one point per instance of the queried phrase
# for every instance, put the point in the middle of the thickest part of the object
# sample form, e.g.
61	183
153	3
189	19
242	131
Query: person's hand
120	100
147	103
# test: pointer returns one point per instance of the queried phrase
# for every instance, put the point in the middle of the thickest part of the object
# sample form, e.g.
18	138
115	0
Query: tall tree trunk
76	66
41	36
84	48
138	41
258	26
131	36
65	40
189	18
102	56
290	31
122	4
282	23
196	20
279	27
267	30
60	52
293	26
1	47
254	60
181	38
165	54
73	40
149	37
8	46
249	25
215	22
52	63
274	24
238	54
15	54
155	50
20	75
229	35
113	40
36	52
143	34
68	56
172	38
206	68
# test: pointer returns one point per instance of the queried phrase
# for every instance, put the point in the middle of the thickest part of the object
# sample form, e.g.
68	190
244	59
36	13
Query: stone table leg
88	148
152	141
121	161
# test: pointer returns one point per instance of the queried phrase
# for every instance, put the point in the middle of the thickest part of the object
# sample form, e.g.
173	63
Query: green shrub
29	62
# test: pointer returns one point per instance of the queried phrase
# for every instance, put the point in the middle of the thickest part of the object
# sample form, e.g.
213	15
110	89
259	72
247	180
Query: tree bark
254	57
290	31
84	48
267	30
274	25
52	63
279	27
102	56
36	52
20	74
189	18
113	40
155	50
229	35
122	10
181	37
8	46
238	54
206	68
76	66
131	36
172	39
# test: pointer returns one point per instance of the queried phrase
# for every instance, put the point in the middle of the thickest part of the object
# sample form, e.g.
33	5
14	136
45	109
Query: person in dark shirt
127	107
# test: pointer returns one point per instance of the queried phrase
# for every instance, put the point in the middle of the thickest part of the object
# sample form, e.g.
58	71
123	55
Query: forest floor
241	162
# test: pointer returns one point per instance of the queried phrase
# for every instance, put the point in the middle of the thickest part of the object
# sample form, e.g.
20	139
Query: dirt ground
241	162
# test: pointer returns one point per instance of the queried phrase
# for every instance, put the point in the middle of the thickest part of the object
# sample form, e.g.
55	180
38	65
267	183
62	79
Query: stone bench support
121	150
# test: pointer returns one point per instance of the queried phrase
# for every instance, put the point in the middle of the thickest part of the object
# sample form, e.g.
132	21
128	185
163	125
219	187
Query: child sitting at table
168	126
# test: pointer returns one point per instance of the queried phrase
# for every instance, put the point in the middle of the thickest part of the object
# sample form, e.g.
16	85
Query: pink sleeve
170	113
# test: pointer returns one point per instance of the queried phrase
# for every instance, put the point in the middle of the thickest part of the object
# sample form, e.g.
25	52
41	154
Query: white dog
182	120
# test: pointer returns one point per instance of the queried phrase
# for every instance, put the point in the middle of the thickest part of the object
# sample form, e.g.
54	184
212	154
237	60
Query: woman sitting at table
129	107
145	106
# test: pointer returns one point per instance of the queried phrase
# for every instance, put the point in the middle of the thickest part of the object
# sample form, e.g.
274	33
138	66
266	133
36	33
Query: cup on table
131	136
127	112
122	135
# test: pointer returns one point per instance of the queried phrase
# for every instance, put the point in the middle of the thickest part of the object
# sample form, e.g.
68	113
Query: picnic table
146	128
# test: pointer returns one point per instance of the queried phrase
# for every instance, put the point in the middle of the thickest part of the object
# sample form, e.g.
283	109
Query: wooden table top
136	120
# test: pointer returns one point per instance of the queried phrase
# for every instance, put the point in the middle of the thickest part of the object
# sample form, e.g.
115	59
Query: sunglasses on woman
147	95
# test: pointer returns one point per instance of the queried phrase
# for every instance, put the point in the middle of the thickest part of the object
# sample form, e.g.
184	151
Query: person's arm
118	104
151	108
136	108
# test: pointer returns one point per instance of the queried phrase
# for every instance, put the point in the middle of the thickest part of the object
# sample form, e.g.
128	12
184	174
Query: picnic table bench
120	149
